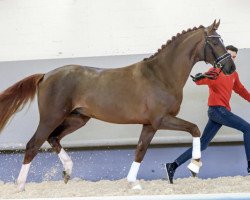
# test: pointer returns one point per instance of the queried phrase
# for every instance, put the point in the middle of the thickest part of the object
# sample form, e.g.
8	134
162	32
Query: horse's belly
121	119
117	115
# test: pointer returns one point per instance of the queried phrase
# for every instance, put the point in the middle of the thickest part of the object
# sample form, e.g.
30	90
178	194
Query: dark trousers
218	116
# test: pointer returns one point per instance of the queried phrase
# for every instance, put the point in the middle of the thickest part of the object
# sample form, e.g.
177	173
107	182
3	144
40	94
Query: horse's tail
16	96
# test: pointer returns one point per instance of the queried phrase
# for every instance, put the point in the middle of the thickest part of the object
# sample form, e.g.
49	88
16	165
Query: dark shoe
170	172
248	170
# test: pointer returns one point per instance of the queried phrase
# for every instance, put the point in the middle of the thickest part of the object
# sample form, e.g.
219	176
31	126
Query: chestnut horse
148	92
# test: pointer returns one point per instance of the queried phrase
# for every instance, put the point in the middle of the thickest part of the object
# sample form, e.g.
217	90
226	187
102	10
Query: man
219	111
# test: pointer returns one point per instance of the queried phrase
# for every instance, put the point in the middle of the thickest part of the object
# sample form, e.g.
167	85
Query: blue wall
94	165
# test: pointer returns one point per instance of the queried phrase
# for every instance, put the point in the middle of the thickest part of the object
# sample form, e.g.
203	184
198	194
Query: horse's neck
174	64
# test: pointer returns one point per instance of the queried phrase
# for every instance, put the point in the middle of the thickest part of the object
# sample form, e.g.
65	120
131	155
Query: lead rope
213	75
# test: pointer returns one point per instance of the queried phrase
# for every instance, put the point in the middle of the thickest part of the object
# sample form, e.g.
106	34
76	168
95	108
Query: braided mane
172	39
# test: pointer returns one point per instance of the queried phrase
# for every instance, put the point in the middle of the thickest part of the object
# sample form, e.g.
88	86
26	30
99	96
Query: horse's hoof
194	166
21	187
193	174
135	185
66	177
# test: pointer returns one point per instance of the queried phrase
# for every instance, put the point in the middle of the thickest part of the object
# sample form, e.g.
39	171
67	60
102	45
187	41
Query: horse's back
66	82
71	77
63	71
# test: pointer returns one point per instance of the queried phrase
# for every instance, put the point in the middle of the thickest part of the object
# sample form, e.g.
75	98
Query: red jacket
220	90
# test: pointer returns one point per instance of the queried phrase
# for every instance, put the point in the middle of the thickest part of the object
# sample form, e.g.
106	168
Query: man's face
233	54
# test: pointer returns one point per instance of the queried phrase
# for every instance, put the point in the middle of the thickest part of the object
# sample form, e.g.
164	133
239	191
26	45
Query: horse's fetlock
68	165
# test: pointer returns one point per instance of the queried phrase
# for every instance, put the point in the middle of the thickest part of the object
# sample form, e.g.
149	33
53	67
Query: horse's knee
194	130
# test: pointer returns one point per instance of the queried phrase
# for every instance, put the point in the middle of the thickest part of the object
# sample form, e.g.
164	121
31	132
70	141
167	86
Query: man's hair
232	48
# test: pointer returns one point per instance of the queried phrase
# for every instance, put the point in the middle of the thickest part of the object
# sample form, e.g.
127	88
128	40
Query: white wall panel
45	29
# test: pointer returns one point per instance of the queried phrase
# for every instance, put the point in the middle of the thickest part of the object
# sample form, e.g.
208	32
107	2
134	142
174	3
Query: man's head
232	50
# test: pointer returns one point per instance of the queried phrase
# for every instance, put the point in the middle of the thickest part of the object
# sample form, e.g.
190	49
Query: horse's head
215	52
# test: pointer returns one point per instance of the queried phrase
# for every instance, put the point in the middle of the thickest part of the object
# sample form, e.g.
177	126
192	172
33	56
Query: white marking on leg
196	152
136	185
133	172
194	166
66	161
21	180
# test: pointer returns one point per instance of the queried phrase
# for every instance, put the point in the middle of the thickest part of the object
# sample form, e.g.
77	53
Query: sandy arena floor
81	188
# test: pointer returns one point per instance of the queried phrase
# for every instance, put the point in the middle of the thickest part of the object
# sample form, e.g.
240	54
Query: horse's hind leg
146	136
52	114
43	131
73	122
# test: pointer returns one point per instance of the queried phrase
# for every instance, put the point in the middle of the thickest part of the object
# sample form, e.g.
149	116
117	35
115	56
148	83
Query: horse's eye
215	43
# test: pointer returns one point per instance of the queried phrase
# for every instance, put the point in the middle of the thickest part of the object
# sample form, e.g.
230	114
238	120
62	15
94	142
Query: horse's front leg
146	136
174	123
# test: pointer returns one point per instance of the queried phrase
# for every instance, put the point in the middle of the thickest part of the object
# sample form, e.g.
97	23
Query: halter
217	62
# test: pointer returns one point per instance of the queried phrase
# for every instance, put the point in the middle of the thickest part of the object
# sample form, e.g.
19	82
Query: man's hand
197	77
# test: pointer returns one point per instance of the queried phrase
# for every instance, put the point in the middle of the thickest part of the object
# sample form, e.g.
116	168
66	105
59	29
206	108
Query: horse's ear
213	27
216	26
